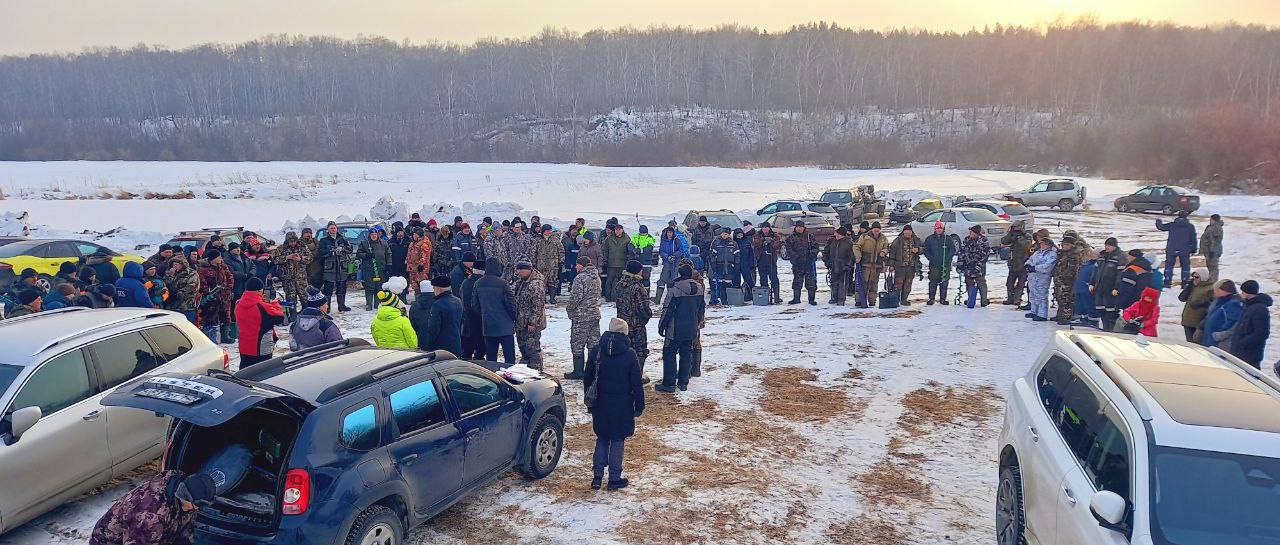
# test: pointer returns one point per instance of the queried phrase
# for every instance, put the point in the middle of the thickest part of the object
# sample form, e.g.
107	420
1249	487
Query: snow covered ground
809	425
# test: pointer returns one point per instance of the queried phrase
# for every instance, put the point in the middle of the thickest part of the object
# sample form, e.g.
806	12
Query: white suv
1113	439
57	441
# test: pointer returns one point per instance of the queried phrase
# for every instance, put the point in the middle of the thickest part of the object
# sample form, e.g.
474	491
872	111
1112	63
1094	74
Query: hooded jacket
1146	312
1135	278
391	329
131	289
1249	340
257	318
619	387
106	269
1224	312
312	328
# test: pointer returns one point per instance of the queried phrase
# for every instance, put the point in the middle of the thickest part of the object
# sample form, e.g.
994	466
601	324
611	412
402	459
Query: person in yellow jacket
390	328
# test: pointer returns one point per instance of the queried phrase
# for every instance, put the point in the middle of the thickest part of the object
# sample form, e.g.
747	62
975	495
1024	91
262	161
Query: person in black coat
679	326
493	297
1135	277
399	243
439	325
472	323
1249	339
614	369
1103	282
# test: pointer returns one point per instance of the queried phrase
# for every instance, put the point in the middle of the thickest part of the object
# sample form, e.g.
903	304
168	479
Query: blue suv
349	443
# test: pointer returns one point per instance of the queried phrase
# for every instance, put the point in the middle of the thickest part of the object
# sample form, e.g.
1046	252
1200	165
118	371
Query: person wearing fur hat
529	294
256	318
614	374
313	326
390	328
438	320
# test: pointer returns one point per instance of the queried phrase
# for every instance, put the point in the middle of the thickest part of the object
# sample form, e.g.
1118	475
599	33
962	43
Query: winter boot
614	485
579	365
596	482
795	300
696	370
644	377
929	302
813	298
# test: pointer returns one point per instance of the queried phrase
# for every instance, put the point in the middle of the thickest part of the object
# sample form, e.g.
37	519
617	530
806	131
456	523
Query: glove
1029	268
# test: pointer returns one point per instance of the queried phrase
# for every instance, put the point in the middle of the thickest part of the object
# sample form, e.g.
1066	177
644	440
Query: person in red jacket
256	317
1145	313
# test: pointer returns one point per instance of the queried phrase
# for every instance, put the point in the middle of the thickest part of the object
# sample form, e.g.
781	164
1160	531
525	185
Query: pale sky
28	26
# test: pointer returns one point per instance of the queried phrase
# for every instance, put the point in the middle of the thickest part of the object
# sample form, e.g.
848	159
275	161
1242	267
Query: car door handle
1071	498
409	460
93	415
1035	436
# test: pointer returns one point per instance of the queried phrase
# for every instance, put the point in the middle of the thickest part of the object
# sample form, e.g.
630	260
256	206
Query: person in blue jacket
671	249
1089	314
1181	245
1223	314
131	289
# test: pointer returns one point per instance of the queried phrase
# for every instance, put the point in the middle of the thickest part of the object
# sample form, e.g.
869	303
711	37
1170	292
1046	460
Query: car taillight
1004	216
226	360
297	492
6	266
1184	199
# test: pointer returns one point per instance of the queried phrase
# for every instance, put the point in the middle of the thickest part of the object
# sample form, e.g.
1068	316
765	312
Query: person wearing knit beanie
390	328
634	267
1249	287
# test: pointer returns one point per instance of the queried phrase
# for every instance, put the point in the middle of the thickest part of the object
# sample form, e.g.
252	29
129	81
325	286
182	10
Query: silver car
1006	210
957	221
1062	193
56	440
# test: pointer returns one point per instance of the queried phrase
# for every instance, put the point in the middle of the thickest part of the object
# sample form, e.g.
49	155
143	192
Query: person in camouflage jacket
530	290
315	269
418	260
634	309
184	287
802	252
583	309
904	257
548	256
217	285
1019	246
1065	270
160	511
517	245
495	246
293	260
442	260
972	262
871	251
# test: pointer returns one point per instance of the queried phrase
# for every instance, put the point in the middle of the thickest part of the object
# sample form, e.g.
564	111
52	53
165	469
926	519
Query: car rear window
822	208
837	197
1015	209
980	215
7	374
360	428
724	220
169	341
123	357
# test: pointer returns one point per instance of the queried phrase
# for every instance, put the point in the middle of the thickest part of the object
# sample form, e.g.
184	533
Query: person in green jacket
1197	294
390	328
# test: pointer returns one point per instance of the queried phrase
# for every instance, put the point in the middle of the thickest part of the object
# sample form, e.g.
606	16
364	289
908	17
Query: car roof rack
1139	402
1248	370
97	328
392	368
294	360
38	315
237	227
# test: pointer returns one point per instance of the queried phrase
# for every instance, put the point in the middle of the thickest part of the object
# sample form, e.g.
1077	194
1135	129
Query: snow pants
768	269
1038	294
1184	261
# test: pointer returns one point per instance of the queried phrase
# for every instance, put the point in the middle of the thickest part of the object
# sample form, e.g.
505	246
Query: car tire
1011	522
377	525
1066	205
45	282
1123	208
1167	210
546	443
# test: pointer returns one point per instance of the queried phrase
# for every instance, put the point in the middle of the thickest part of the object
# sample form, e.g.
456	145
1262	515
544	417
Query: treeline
1144	100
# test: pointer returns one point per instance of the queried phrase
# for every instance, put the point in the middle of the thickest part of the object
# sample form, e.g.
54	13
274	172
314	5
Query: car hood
204	400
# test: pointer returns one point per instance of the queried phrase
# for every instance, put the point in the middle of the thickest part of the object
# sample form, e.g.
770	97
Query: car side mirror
22	420
1109	510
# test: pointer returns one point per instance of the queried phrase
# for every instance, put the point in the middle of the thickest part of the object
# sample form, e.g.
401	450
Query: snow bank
120	239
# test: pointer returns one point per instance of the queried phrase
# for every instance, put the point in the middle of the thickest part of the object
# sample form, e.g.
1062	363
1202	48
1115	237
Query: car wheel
546	443
1011	520
377	525
45	282
1066	205
1168	210
1122	207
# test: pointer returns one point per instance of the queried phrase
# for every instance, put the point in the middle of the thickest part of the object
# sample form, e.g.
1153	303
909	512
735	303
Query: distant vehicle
820	208
856	204
722	217
957	221
1115	440
57	441
197	239
1006	210
924	206
1167	199
817	225
10	240
1062	193
901	212
356	231
46	255
352	443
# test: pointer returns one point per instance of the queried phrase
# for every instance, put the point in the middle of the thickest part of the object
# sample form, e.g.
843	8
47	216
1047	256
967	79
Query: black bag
889	298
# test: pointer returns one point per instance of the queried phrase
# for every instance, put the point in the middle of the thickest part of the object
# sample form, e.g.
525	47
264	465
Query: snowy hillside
812	425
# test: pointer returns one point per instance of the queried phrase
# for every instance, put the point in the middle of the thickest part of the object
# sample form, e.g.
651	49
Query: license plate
996	230
170	395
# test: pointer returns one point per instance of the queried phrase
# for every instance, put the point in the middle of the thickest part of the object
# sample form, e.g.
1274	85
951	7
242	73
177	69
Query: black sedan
1166	199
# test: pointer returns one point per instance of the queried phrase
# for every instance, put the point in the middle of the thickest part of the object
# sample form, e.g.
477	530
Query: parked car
355	231
46	255
820	208
855	204
956	222
924	206
352	443
722	217
1063	193
819	226
1006	210
57	439
197	239
1168	199
1116	439
4	241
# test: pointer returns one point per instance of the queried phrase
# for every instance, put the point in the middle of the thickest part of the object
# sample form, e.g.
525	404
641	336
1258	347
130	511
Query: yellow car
45	256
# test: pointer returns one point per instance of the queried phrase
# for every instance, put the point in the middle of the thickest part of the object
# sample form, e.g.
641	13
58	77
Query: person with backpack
313	327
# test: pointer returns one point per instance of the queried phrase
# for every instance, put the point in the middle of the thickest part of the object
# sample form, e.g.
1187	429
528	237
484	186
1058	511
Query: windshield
353	233
7	374
980	215
18	248
837	197
186	243
822	208
1213	498
723	220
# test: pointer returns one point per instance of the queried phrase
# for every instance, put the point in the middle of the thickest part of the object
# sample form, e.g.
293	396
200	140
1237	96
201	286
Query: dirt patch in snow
935	406
791	392
465	524
892	482
869	314
866	531
853	374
